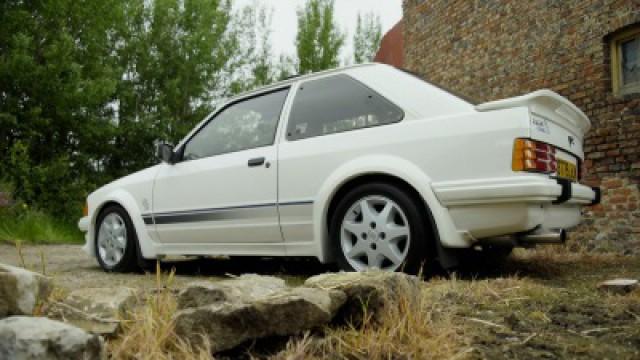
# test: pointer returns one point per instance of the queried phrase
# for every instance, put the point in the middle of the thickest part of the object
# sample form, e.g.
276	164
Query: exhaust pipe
528	239
552	237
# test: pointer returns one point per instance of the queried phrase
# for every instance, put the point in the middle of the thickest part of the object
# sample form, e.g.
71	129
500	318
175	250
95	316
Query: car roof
296	78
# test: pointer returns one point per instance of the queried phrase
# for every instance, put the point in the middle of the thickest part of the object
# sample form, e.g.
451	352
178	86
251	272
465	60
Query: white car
366	166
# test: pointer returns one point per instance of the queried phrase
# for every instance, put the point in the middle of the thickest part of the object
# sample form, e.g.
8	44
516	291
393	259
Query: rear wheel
116	240
378	226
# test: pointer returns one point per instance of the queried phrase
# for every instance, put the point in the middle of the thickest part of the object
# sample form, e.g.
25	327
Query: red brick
484	49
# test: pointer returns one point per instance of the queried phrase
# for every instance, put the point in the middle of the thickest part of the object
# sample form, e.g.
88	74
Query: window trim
616	61
350	78
219	111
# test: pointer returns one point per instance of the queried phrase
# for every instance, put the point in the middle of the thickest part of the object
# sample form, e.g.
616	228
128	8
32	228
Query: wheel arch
127	202
377	177
397	171
372	177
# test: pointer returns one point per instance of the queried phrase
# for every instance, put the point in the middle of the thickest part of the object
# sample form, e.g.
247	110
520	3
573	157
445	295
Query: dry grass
542	304
412	329
149	333
561	254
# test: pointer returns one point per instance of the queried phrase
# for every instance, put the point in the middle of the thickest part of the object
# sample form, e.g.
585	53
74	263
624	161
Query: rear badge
571	140
540	125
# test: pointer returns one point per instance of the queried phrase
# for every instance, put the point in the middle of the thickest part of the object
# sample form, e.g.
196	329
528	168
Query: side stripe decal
217	214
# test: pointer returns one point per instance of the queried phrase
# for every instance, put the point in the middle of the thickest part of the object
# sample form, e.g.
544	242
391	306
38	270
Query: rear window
336	104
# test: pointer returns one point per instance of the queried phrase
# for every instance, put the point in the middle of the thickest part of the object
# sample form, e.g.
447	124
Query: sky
285	22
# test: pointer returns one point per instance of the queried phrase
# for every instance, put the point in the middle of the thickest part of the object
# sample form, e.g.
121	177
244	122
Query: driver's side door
224	188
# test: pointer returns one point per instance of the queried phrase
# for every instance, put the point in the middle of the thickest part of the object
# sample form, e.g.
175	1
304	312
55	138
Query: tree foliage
319	39
176	58
57	78
87	87
367	38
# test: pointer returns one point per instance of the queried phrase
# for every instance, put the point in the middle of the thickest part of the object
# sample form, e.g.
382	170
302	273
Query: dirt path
71	268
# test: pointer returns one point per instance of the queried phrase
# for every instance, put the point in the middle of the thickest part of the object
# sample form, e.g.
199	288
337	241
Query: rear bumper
496	207
577	193
522	189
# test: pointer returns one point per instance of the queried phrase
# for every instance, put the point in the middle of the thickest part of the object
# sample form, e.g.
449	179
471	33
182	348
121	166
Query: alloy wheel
375	234
112	239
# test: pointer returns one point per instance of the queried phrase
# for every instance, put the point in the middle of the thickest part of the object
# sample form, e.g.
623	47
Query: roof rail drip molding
296	78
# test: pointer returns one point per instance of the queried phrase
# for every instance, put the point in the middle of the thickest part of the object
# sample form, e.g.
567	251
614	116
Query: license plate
567	170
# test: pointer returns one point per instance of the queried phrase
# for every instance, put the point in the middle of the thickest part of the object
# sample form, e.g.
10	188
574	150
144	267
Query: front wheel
116	240
378	226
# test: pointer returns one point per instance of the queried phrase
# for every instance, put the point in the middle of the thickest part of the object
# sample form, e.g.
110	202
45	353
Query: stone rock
245	288
226	325
21	290
619	286
26	338
371	290
96	310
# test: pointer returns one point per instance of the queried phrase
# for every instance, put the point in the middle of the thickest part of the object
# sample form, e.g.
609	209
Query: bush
54	185
22	223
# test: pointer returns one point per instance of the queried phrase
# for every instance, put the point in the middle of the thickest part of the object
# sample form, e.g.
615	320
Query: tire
116	241
392	235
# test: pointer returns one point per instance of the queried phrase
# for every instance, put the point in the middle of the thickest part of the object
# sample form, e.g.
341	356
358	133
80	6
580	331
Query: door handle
256	161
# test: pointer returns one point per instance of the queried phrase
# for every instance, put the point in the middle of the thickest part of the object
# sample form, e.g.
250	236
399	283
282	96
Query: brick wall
391	47
491	49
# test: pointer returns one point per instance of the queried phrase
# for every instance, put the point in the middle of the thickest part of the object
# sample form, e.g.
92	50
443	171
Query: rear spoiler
547	104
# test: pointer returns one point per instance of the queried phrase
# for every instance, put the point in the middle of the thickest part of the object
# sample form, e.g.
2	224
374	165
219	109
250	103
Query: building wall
491	49
392	48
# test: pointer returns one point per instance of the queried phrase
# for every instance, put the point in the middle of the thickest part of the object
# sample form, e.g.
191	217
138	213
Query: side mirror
164	153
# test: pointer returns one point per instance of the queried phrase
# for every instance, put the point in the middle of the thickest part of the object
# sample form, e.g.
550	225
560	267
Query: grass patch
149	334
35	227
415	328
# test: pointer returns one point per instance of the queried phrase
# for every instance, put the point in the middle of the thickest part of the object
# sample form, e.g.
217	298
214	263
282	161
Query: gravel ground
71	268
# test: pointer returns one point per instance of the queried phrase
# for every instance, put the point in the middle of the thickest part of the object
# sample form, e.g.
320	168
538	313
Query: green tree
58	77
179	57
260	68
285	68
319	40
173	55
367	38
87	87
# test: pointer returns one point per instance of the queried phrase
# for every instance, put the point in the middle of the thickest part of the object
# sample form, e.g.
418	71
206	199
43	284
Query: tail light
531	155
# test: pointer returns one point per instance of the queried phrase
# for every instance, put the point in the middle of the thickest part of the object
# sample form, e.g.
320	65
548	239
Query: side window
335	104
245	125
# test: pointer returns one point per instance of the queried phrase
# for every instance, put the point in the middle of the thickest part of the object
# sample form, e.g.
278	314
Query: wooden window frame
616	62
